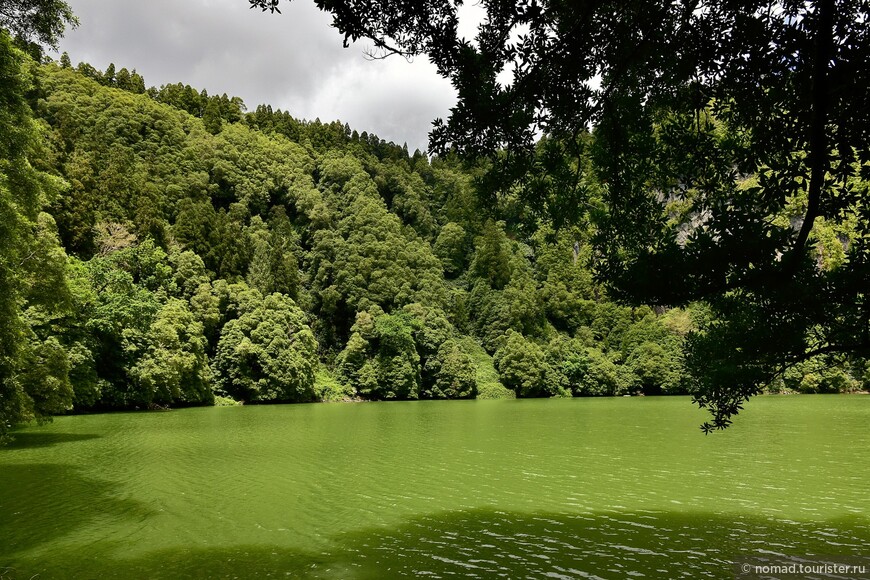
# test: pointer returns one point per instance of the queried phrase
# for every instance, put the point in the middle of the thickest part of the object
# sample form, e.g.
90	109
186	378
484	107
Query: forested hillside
183	251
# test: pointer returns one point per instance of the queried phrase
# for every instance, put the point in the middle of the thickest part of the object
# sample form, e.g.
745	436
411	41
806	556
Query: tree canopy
41	21
163	247
728	140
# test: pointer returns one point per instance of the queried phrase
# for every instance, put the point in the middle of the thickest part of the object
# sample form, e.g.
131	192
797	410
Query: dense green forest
164	247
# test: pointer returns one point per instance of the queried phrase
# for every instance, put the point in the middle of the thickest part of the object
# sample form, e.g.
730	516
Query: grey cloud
294	61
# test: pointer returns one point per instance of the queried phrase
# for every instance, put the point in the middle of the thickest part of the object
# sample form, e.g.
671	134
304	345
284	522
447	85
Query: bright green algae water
609	488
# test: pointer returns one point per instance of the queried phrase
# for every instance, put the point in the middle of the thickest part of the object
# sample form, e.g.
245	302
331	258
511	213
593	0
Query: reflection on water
31	439
42	503
487	544
612	488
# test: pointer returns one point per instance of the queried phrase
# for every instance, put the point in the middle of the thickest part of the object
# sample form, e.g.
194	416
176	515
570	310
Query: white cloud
393	98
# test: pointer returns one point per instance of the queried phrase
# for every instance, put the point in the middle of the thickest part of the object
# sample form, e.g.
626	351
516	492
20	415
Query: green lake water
607	488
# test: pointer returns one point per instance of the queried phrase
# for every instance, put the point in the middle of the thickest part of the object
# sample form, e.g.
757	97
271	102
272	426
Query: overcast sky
293	61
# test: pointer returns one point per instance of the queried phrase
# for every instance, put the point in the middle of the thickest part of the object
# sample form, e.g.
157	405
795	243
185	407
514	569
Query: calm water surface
606	488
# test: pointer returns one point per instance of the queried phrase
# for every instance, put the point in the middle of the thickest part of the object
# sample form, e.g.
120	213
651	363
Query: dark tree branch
818	138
